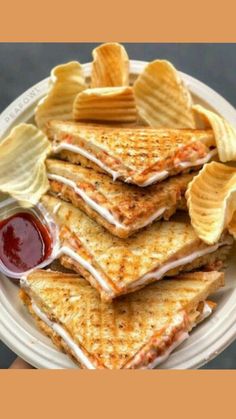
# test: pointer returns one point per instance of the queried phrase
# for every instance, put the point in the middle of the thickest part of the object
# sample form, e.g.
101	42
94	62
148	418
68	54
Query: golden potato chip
22	170
110	66
162	98
225	133
232	226
211	200
66	81
105	104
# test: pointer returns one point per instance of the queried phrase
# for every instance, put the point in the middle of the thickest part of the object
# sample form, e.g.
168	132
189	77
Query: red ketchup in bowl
24	242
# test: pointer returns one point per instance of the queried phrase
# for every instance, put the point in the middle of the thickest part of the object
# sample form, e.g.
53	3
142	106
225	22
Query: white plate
17	328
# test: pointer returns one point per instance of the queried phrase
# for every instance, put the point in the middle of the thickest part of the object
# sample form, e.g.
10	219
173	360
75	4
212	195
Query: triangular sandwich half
139	330
118	266
141	156
122	209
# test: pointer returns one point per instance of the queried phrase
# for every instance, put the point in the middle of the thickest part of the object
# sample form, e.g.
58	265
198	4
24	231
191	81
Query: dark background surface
22	65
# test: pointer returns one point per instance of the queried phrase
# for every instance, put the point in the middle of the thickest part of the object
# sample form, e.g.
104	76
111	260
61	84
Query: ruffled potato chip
110	66
66	81
106	104
162	98
211	200
225	133
22	170
232	226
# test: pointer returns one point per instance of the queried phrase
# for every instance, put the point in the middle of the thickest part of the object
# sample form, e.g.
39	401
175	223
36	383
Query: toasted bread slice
140	155
117	266
136	331
122	209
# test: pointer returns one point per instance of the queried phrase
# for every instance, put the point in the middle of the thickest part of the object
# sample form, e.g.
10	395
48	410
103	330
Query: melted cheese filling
206	312
201	161
65	250
115	175
104	212
182	336
79	150
185	260
65	336
163	174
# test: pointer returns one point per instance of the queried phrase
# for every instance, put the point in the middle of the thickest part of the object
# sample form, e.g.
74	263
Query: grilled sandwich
140	155
118	266
139	330
122	209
